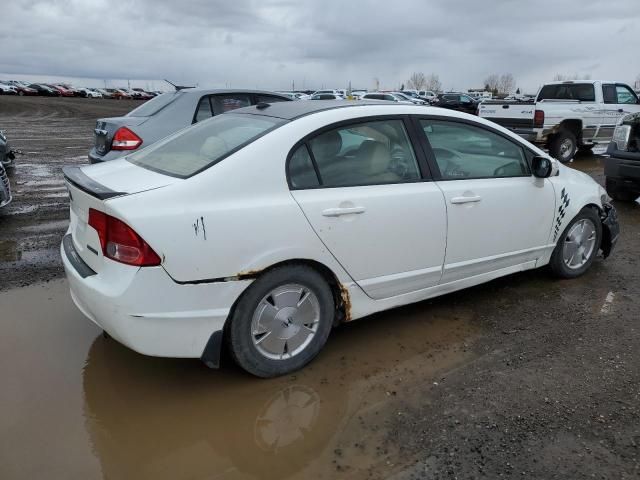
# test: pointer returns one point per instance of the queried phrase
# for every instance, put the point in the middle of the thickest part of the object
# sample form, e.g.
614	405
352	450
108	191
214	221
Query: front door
619	100
361	188
499	215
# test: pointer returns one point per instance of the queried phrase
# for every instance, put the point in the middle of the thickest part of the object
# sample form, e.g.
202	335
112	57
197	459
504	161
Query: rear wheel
563	146
578	245
282	321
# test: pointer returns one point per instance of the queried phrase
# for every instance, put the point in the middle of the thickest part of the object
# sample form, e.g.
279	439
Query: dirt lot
524	377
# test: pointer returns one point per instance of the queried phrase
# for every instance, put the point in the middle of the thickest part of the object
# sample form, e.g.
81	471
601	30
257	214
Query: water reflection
158	418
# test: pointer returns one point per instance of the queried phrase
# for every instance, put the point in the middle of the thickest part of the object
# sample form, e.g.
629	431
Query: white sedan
265	227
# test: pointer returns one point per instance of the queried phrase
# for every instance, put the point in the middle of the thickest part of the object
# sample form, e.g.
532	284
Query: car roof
301	108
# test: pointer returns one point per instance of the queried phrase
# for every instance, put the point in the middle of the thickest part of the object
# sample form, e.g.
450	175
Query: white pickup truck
566	116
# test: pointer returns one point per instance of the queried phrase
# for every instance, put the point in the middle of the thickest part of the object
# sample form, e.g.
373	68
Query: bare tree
492	82
637	84
433	83
417	81
507	83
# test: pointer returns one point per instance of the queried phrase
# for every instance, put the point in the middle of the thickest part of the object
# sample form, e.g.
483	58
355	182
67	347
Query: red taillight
538	119
125	139
120	242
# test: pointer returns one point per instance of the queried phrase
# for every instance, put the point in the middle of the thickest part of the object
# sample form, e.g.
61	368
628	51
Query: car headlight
621	136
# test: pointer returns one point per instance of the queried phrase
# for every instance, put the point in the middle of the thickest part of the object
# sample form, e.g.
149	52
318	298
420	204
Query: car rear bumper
145	310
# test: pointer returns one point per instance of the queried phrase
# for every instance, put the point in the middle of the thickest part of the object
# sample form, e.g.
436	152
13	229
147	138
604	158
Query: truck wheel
563	146
617	193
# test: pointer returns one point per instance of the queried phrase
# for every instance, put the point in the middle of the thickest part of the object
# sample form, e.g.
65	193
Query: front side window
192	150
463	151
625	95
227	102
369	153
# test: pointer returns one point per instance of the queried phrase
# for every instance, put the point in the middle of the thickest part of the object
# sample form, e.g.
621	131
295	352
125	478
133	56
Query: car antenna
262	105
177	87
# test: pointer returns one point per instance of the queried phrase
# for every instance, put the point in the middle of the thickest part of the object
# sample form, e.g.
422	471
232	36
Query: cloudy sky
272	43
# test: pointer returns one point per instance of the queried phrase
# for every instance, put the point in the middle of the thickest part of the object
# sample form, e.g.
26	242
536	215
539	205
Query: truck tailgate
509	115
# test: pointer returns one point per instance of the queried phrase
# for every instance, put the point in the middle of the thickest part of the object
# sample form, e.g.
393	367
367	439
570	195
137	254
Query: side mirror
542	167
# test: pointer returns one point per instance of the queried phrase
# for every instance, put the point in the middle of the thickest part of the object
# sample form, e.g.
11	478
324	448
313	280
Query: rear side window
370	153
204	110
301	171
153	106
609	94
190	151
228	102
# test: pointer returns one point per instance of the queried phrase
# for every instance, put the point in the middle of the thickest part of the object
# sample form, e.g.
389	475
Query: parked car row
17	87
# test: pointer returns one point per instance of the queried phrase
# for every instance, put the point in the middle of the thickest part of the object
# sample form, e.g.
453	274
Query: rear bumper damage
610	229
145	310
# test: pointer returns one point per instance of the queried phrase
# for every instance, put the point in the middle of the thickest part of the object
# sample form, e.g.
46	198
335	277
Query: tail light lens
120	242
125	139
538	119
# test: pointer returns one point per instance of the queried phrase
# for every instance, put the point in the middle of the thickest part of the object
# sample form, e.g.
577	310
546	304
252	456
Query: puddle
91	408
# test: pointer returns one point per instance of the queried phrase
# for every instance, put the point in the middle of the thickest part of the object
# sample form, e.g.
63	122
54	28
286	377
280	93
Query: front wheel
282	321
563	146
578	245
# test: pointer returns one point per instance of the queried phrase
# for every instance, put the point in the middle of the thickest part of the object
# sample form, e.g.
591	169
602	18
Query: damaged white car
265	227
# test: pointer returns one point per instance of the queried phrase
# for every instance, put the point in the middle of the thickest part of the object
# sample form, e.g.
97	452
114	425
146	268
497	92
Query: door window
367	153
226	103
464	151
625	95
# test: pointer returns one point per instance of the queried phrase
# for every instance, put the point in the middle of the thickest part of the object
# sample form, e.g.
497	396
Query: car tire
620	194
271	332
21	93
562	263
563	146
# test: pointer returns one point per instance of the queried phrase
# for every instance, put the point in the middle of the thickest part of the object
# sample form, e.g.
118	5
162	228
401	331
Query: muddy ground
524	377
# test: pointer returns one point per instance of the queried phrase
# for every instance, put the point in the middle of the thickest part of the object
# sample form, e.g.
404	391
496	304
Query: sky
275	44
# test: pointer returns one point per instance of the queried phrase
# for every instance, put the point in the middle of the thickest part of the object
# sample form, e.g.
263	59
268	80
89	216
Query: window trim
424	169
431	158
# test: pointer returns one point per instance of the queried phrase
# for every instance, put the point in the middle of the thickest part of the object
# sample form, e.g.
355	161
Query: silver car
166	114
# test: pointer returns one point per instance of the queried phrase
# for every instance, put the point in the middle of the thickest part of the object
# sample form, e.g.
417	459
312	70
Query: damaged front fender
610	229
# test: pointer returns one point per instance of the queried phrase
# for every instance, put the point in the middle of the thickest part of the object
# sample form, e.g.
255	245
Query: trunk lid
92	187
107	127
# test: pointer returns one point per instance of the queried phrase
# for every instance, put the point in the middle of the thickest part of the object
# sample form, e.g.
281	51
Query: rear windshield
583	92
196	148
150	107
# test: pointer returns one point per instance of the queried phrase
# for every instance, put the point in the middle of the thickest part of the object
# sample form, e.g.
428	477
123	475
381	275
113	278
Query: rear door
499	215
361	186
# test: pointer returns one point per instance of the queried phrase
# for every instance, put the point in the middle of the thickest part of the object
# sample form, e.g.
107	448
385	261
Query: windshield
196	148
150	107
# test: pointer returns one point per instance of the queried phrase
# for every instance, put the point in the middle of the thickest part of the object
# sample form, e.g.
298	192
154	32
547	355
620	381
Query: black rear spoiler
79	179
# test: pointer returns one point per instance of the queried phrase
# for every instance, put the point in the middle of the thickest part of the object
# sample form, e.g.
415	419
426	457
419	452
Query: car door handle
336	212
457	200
